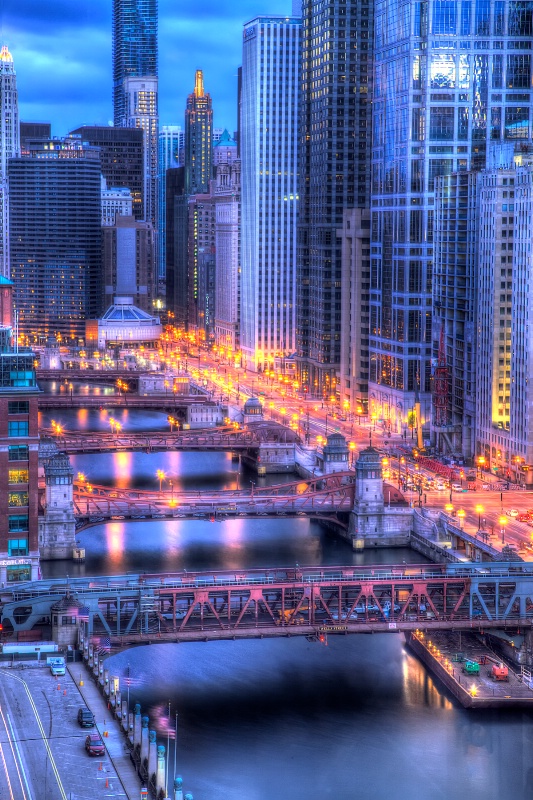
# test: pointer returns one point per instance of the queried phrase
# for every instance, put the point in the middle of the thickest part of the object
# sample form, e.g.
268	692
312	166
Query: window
17	522
18	452
441	125
17	476
18	407
17	499
17	547
18	572
17	428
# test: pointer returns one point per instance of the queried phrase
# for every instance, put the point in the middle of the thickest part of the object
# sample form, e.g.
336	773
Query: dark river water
286	719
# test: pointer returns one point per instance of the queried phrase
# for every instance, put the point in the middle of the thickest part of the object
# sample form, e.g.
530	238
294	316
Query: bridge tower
57	525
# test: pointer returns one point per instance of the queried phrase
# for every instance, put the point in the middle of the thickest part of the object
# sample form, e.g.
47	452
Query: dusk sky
62	55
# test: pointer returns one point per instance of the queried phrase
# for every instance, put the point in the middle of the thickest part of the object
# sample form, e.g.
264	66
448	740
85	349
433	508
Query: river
287	719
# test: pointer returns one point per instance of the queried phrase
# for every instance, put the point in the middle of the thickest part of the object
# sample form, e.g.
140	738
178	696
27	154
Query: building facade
115	202
228	249
171	155
450	78
198	139
121	159
269	180
504	355
19	454
55	229
9	146
134	49
143	114
334	167
128	262
353	369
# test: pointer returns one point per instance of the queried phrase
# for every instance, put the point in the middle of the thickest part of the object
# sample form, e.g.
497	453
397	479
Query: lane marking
21	760
43	734
10	740
6	773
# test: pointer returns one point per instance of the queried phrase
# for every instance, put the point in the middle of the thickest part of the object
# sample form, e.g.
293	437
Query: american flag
102	644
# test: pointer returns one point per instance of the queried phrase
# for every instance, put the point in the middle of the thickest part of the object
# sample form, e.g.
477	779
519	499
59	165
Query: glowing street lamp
479	512
461	514
448	508
352	447
81	477
161	477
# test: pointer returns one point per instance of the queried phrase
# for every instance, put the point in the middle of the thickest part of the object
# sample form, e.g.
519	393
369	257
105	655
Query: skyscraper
269	153
198	139
121	159
135	85
334	168
134	48
55	229
450	77
9	146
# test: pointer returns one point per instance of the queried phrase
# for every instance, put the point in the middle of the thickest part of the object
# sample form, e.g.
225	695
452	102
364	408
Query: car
439	486
524	517
94	745
456	487
180	614
512	512
486	487
85	718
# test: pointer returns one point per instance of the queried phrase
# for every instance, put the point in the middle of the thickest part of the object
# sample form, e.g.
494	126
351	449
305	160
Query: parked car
94	745
85	718
512	512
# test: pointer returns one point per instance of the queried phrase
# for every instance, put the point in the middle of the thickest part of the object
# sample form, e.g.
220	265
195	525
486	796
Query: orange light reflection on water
115	537
122	469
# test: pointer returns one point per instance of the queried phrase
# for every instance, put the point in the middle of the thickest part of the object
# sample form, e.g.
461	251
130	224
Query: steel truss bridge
164	402
324	497
217	439
128	610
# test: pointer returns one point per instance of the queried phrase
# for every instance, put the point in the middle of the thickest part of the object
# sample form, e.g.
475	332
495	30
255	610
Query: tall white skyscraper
142	112
269	130
9	146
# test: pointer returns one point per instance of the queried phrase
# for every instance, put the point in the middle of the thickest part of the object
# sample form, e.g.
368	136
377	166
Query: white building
142	112
227	258
504	429
269	144
9	146
115	201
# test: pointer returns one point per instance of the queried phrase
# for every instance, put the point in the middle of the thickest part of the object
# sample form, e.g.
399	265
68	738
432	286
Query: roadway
42	754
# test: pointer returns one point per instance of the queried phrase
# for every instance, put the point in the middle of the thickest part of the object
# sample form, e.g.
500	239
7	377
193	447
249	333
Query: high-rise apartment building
121	158
9	146
450	78
269	180
334	167
227	254
171	156
135	84
55	229
134	49
198	139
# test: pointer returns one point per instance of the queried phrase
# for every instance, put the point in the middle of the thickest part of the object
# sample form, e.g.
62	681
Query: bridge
128	610
322	497
164	402
73	442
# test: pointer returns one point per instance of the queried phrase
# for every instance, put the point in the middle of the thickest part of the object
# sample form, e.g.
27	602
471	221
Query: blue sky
62	54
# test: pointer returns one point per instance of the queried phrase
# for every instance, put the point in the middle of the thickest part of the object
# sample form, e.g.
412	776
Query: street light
161	477
481	463
479	512
503	522
448	508
352	446
461	514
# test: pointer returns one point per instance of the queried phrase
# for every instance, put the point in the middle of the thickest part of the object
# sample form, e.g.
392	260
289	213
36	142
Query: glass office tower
334	173
134	48
451	76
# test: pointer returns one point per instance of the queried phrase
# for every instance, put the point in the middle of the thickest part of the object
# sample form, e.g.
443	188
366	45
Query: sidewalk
115	741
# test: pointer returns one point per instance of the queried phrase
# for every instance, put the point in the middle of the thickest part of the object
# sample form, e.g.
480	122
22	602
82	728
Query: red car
524	517
94	745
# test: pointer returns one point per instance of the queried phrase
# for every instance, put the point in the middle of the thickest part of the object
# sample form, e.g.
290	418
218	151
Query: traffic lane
51	742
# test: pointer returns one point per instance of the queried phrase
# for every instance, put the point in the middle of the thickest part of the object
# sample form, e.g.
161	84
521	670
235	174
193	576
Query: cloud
62	55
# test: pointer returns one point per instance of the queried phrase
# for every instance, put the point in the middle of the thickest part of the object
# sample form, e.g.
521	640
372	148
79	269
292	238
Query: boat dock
463	663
